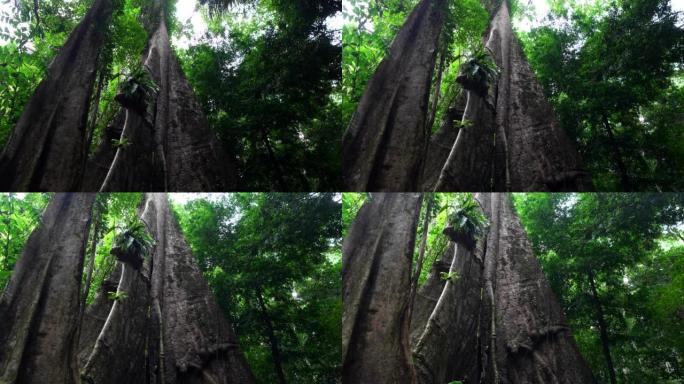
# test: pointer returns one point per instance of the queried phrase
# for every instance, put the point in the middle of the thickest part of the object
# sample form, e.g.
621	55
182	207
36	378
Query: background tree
602	254
273	260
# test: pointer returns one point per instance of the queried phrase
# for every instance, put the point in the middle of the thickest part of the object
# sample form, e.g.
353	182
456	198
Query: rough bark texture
383	147
530	145
172	148
96	314
441	143
469	165
377	256
429	293
441	351
197	344
533	343
122	335
39	310
47	149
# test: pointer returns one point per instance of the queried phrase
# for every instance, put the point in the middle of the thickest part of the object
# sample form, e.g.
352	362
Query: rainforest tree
127	111
606	277
617	107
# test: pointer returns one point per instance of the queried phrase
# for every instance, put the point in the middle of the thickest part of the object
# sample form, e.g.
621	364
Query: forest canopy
614	261
266	75
272	262
611	70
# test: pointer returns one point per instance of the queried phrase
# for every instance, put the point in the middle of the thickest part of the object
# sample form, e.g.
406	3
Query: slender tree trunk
617	156
384	145
429	293
441	351
9	230
91	259
40	306
469	165
376	278
47	149
118	355
603	327
530	151
421	255
272	339
436	93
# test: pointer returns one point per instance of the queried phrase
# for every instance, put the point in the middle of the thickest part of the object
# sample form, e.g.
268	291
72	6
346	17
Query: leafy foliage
632	245
612	70
268	82
283	249
134	238
478	72
466	217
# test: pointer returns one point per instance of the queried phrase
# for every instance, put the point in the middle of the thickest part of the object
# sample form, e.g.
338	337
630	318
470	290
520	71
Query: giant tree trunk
195	343
384	145
530	151
172	147
48	146
377	255
442	352
39	310
525	337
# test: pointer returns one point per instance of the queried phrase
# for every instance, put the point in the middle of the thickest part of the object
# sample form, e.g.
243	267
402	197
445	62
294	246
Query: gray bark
195	344
172	147
532	342
47	148
530	152
441	352
429	293
118	355
376	278
39	310
442	141
384	145
96	314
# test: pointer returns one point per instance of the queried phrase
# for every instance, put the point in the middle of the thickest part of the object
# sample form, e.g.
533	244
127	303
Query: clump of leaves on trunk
478	72
138	92
133	243
466	223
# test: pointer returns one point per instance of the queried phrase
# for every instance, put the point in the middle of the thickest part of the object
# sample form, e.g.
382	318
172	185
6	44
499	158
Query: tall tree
47	149
171	147
194	341
376	280
490	316
515	142
39	310
384	145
